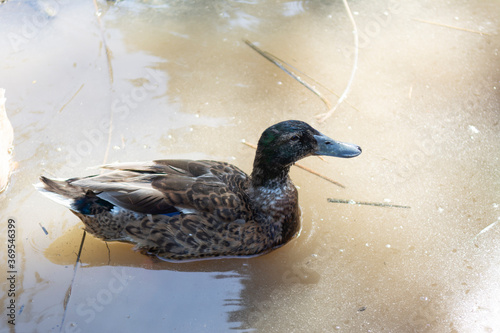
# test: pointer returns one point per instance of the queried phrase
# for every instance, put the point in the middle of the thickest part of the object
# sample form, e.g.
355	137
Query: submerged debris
378	204
489	227
452	27
288	69
43	228
72	97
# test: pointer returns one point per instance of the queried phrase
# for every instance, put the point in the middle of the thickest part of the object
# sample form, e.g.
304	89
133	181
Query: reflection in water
244	287
424	106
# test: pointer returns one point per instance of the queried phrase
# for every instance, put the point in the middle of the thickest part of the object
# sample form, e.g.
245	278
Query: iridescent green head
286	142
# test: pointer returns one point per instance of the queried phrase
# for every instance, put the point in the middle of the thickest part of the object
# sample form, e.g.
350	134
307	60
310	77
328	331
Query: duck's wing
171	167
169	186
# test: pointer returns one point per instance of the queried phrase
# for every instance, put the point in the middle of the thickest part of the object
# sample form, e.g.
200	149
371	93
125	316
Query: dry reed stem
322	117
110	131
451	27
110	75
72	97
283	66
489	227
366	203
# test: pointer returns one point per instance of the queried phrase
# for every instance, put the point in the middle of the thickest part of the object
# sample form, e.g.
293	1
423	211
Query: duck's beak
330	147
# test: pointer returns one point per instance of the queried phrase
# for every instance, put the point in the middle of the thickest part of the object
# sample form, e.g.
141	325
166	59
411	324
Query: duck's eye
295	138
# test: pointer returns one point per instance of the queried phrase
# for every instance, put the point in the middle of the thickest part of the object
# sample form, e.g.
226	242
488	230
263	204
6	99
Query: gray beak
330	147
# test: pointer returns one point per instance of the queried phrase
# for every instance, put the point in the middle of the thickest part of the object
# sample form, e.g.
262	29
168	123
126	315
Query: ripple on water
39	239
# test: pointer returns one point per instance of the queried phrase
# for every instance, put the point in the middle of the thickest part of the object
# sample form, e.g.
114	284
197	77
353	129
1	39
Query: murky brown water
424	105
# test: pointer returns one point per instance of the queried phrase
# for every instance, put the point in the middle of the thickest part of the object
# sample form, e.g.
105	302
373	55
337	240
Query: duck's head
286	142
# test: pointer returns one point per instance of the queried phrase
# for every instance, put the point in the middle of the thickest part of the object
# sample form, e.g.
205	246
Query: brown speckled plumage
184	209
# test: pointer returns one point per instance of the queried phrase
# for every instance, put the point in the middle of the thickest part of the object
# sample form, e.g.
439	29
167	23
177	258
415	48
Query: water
424	106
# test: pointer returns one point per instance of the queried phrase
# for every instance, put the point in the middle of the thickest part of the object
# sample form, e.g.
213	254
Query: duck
185	210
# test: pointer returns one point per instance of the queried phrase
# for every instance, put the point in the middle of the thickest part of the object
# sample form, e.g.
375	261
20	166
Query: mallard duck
186	209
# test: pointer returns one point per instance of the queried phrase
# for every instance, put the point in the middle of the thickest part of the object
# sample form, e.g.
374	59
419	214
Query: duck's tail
60	191
76	198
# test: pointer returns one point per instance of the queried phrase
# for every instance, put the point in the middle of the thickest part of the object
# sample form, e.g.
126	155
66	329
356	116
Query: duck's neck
269	176
270	184
277	200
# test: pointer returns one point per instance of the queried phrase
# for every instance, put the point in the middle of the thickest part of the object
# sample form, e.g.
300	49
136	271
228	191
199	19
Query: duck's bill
330	147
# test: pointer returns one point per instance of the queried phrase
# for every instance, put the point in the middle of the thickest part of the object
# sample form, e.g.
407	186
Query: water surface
141	80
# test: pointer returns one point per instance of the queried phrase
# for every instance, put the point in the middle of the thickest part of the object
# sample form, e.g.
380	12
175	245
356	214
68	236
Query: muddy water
138	80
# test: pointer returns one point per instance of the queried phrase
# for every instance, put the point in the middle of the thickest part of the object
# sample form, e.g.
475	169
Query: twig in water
108	144
111	79
110	131
282	65
109	252
325	116
250	145
43	228
68	293
451	27
305	168
486	229
105	45
378	204
74	95
319	175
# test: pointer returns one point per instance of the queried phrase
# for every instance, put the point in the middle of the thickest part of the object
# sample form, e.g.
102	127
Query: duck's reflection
240	288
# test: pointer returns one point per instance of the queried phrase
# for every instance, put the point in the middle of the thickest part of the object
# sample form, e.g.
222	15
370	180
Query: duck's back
177	209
